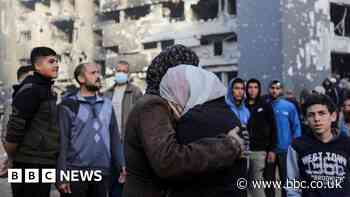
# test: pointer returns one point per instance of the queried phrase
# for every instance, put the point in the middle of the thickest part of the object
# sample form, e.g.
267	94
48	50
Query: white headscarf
189	86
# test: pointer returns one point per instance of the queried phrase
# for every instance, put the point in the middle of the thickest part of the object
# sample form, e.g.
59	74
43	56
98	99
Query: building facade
297	41
64	25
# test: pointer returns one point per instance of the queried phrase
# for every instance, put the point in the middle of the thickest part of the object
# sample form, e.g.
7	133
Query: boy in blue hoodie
320	158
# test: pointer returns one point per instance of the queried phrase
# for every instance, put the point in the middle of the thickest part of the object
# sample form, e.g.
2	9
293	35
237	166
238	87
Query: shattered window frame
339	64
150	45
25	36
177	10
206	9
340	19
167	43
136	13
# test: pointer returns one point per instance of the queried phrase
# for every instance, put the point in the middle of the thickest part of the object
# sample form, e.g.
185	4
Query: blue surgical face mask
121	78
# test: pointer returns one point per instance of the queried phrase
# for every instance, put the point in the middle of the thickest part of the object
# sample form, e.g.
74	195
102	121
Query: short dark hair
123	62
38	52
24	70
79	70
253	80
276	82
319	99
237	80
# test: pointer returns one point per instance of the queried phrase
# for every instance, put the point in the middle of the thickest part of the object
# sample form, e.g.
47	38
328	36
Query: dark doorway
340	17
341	64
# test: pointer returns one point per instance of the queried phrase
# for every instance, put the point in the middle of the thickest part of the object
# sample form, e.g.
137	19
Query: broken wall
306	34
288	40
259	38
8	37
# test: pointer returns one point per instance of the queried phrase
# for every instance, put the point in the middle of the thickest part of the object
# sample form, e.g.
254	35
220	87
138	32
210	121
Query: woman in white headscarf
197	97
153	156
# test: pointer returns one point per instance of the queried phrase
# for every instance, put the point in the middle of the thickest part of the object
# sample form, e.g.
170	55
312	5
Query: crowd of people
188	135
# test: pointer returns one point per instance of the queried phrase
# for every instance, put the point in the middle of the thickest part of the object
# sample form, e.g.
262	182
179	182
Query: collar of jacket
99	99
40	79
128	88
335	137
277	99
257	101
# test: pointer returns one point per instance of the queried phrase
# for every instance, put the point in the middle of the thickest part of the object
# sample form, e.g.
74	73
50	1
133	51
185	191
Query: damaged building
137	30
297	41
300	42
64	25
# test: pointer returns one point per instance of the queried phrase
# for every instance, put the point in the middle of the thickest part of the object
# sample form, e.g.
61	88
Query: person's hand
64	188
122	176
271	157
234	133
4	166
245	136
242	136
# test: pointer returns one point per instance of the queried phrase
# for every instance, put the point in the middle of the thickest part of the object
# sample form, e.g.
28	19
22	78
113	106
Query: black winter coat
208	120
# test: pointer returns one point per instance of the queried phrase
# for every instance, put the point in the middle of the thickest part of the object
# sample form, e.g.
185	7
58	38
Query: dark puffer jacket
33	122
154	157
209	120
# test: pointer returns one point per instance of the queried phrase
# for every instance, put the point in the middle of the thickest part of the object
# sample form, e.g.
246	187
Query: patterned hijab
170	57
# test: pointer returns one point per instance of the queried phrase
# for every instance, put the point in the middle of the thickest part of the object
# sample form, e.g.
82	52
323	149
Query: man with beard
89	136
287	128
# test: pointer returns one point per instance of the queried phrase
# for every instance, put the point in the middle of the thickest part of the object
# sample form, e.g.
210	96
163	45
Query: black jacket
209	120
261	126
33	122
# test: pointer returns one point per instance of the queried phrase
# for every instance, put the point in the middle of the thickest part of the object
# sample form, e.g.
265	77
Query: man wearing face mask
123	96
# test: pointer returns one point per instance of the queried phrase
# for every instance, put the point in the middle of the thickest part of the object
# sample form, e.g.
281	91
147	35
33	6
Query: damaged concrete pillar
220	8
226	8
287	40
188	11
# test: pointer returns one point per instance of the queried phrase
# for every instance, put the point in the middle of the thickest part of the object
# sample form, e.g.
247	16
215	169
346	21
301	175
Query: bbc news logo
51	176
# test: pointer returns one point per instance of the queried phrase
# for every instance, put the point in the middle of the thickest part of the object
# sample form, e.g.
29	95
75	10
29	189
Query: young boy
319	159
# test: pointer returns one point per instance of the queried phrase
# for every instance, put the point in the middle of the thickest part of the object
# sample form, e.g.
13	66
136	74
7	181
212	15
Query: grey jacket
131	95
89	136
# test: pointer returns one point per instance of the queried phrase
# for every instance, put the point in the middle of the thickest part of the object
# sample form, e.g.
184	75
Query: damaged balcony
126	40
174	11
113	5
193	30
211	9
217	41
65	23
115	13
31	3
